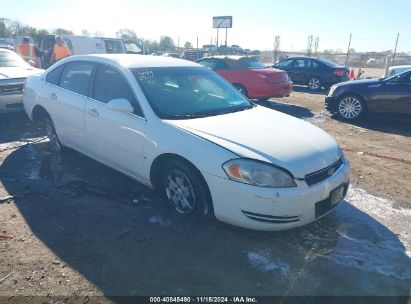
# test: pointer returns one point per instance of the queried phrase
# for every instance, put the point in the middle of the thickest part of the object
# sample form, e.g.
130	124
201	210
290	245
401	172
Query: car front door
300	70
114	137
67	95
288	66
393	96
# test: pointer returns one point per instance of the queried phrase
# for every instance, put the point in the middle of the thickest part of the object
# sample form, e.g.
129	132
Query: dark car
313	72
353	99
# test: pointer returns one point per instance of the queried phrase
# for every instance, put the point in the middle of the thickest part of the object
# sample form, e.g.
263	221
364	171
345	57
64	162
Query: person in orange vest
60	50
29	52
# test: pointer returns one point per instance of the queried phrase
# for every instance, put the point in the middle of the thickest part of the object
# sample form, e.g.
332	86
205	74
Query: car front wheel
185	190
52	135
314	84
351	107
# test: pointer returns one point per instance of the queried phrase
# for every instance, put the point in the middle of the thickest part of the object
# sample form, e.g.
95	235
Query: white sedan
13	73
180	128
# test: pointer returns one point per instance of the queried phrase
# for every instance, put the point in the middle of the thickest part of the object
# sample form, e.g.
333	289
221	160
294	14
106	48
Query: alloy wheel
314	84
350	107
180	192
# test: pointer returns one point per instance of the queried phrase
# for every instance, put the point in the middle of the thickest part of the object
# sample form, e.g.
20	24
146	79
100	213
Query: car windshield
11	59
328	63
188	92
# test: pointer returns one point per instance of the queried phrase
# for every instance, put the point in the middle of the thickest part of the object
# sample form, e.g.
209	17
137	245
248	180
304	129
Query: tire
241	89
52	135
185	190
351	108
314	84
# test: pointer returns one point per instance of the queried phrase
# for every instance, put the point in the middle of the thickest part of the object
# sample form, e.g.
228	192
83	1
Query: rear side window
110	84
301	64
76	77
54	76
312	64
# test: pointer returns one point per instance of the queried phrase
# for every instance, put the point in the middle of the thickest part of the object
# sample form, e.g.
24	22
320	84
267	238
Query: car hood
360	82
18	72
269	136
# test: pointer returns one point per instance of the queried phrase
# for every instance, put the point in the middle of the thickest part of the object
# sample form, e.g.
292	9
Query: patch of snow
157	219
265	264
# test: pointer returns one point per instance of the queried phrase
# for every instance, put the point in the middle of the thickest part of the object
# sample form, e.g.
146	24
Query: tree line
11	28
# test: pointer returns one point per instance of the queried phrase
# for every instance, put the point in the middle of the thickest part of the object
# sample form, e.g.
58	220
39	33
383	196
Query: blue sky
374	24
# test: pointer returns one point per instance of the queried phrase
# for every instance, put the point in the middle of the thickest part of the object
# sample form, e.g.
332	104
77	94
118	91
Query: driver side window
285	64
110	84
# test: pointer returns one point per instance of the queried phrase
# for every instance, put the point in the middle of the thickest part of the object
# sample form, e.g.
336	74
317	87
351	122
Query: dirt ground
80	229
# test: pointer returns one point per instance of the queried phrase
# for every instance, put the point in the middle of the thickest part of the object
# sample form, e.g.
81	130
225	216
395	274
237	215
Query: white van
82	45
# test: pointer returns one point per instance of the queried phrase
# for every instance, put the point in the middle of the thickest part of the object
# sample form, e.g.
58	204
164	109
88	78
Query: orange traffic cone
352	74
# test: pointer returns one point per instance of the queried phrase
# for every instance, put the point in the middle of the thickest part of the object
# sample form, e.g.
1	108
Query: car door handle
53	96
94	112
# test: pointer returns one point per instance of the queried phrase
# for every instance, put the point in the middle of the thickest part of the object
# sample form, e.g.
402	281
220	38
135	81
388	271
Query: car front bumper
272	209
269	89
331	104
11	102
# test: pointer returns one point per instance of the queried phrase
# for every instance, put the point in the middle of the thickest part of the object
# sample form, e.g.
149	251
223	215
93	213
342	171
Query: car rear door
117	138
393	96
66	99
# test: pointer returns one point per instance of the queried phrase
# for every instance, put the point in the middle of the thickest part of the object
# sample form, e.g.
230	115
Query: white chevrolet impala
180	128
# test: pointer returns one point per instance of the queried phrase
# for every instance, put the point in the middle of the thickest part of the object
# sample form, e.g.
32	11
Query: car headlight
258	173
331	91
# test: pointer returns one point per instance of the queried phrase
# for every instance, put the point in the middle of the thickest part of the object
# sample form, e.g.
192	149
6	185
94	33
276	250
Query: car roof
400	67
302	57
135	61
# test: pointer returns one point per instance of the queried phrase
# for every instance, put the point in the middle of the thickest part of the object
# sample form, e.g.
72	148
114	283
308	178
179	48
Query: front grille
271	218
11	89
323	174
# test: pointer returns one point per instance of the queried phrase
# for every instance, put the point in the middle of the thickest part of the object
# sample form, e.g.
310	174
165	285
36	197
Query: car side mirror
120	105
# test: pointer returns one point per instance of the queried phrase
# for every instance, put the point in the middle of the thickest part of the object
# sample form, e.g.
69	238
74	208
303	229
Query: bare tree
126	34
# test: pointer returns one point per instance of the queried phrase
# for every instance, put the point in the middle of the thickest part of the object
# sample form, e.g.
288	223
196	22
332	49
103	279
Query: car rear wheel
314	84
185	190
52	135
241	89
351	107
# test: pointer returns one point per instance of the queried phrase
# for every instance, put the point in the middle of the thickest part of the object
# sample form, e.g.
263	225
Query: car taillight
339	72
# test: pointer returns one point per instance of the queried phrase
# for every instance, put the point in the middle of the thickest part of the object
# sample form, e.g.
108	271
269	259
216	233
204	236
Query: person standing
60	50
29	52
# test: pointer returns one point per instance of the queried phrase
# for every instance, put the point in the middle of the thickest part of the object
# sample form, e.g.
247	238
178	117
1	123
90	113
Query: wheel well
239	84
39	113
158	164
314	76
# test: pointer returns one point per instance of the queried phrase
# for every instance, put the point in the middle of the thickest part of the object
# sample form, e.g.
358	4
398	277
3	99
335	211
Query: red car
250	76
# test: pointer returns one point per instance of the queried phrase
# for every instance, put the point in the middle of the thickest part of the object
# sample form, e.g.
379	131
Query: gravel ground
80	229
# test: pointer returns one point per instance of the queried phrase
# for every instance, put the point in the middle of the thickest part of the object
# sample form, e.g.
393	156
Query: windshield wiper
187	115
